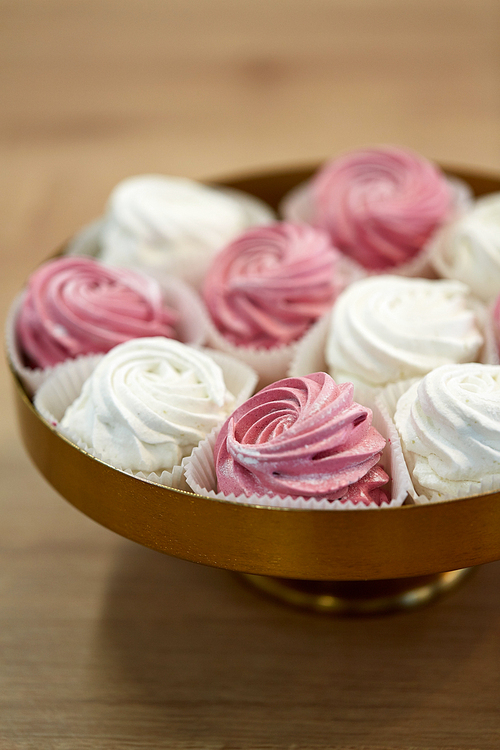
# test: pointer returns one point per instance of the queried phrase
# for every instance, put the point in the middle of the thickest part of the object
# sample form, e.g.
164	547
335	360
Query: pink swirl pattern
76	306
380	205
495	324
271	284
303	437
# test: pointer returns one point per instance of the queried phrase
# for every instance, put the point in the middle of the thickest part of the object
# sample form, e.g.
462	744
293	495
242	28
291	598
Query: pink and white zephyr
271	284
380	205
302	437
76	306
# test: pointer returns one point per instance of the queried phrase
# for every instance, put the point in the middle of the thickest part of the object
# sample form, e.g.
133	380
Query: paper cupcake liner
386	401
31	379
66	382
297	206
463	197
309	354
201	476
269	364
240	379
63	387
191	327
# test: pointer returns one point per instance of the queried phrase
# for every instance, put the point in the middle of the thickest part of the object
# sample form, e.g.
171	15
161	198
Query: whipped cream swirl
389	328
380	205
469	249
76	306
302	437
147	404
267	287
174	225
449	424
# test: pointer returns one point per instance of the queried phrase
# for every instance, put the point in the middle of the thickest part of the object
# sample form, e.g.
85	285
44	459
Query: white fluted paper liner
269	364
191	329
202	479
309	355
66	382
387	401
63	386
297	206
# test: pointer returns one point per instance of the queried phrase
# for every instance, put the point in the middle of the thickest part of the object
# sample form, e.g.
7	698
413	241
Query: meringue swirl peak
269	286
381	205
148	403
75	306
302	437
449	424
389	328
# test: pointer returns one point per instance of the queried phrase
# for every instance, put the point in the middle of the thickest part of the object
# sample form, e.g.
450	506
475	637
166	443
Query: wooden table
104	644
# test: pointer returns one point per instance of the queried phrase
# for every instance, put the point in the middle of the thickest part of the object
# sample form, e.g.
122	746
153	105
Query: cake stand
330	561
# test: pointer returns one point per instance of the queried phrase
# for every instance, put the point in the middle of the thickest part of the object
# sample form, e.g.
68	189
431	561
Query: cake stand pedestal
359	597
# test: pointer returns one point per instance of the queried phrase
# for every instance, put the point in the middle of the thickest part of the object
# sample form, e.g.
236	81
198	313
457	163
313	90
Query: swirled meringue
75	306
449	424
302	437
271	284
380	205
468	249
389	328
174	225
147	404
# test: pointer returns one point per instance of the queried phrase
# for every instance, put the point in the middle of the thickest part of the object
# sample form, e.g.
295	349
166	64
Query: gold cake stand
328	561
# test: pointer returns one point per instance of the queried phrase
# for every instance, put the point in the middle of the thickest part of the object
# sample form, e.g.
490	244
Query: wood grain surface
104	644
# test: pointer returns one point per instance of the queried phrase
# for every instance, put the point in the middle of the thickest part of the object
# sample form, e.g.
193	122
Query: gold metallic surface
359	597
299	544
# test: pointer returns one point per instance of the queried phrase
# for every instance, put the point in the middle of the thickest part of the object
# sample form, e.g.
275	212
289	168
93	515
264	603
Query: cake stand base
359	597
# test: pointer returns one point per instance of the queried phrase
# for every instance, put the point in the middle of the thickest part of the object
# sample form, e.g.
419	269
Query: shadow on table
192	656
